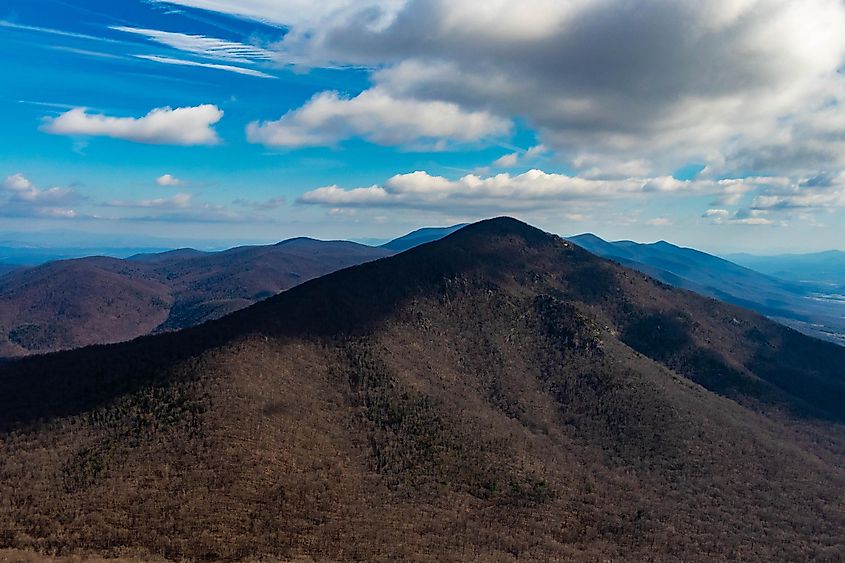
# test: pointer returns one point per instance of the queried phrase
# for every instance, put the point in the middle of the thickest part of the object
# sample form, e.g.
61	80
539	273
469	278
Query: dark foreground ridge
499	394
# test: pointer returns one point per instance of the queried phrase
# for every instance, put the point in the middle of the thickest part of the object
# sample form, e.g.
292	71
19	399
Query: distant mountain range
26	256
827	268
97	300
498	395
809	308
66	304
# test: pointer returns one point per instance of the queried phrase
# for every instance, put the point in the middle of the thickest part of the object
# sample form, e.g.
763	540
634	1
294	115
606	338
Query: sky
717	124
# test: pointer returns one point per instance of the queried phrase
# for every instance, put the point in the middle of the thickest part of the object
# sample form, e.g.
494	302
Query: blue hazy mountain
804	306
420	236
826	268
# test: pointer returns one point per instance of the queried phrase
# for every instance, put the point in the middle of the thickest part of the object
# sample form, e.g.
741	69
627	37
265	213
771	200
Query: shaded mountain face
99	300
498	395
805	307
8	268
420	236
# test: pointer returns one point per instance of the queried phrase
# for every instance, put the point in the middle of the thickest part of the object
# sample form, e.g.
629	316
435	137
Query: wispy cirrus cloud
52	31
164	126
265	205
300	14
178	201
209	47
214	66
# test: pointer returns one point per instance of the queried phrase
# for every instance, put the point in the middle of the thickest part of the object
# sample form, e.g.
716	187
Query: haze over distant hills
97	300
827	268
498	395
809	307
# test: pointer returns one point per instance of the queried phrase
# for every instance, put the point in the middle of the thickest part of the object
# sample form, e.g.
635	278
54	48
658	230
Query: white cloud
178	201
209	47
20	197
168	180
660	83
20	189
741	217
379	117
180	126
823	191
266	205
512	159
507	161
17	183
57	213
536	190
214	66
302	14
530	190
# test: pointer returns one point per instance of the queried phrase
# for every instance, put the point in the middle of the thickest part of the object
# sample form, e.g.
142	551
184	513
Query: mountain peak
503	227
501	370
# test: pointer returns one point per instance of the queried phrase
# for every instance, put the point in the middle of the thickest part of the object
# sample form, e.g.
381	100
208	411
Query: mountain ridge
501	394
800	306
95	300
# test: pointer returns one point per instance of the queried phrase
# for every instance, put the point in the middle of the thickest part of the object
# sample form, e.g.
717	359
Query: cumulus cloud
377	116
740	217
18	183
168	126
824	191
656	82
507	161
533	189
21	198
512	159
168	180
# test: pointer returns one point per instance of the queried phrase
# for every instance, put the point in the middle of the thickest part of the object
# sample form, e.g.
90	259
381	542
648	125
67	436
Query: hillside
498	395
801	306
98	300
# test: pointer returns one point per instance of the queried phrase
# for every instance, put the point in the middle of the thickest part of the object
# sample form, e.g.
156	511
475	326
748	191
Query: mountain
168	255
802	306
498	395
97	300
816	268
420	236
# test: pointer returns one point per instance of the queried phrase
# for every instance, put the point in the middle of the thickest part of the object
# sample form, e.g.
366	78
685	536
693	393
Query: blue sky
718	127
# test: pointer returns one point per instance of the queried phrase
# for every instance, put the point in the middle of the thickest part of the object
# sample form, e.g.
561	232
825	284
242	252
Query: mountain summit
500	394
